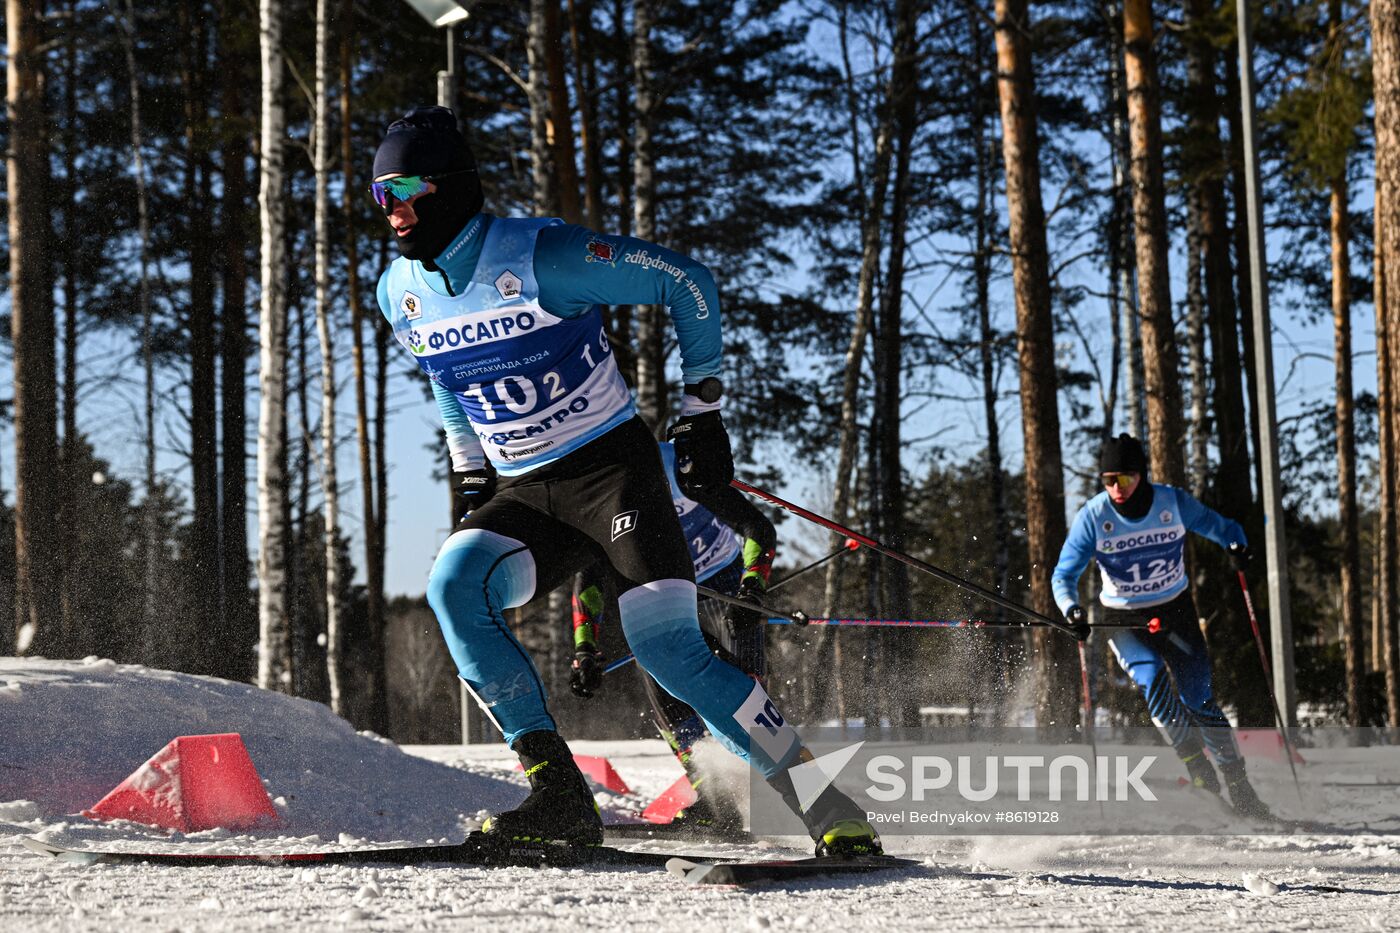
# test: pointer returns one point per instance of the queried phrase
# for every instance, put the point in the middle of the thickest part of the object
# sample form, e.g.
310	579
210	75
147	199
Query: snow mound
70	731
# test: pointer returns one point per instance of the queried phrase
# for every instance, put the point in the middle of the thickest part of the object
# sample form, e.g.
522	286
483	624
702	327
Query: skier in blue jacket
1136	531
502	315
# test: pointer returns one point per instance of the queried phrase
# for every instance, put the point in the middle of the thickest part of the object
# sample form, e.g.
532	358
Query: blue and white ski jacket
508	329
1142	563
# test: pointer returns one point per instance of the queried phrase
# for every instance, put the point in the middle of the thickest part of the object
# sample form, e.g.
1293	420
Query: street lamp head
440	12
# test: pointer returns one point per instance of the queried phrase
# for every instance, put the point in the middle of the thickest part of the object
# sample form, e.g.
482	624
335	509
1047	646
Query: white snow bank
70	731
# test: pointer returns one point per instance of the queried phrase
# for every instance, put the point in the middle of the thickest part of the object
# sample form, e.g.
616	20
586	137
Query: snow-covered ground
70	731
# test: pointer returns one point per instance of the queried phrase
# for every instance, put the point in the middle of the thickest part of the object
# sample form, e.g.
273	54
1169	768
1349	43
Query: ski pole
909	623
903	558
797	616
1089	716
933	623
1269	681
850	545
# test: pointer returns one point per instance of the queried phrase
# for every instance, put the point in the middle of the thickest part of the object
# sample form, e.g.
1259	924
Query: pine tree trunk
984	230
1385	46
274	656
581	34
1208	168
157	648
330	506
904	711
623	117
88	641
1244	292
1346	455
1385	506
32	332
375	678
201	632
561	117
543	189
1035	342
1122	266
1196	348
872	194
652	393
238	626
1159	356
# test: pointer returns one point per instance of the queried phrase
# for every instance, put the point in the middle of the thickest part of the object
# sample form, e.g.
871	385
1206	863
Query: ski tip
687	870
40	847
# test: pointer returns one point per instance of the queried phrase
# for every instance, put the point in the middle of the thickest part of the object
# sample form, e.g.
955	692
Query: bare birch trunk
274	656
1035	340
376	706
1159	358
335	634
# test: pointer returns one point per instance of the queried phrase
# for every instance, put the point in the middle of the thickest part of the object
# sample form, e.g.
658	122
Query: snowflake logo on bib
508	284
411	306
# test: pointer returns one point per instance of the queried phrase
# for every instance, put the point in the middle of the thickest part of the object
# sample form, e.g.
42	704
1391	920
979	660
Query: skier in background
502	316
1136	531
732	544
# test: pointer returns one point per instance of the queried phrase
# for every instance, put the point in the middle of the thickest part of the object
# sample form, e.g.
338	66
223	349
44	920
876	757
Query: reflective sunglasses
404	187
1122	480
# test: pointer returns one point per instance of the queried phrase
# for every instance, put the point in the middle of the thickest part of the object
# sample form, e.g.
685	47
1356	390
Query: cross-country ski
716	464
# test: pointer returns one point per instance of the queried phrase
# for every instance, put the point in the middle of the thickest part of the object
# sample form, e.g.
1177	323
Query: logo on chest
508	284
411	306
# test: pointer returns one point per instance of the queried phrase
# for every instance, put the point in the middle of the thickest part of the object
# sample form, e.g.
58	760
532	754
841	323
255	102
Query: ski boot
1242	796
834	821
560	807
1200	772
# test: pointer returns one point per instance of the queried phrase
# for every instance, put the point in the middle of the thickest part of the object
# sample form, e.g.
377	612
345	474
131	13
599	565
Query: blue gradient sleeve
461	439
1074	557
1207	522
577	269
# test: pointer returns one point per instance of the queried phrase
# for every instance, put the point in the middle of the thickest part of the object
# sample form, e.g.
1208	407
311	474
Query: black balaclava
425	141
1124	454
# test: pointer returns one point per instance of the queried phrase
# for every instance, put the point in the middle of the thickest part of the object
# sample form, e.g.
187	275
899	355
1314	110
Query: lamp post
442	14
1281	635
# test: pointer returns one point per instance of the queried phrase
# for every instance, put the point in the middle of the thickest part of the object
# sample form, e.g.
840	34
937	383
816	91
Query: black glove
739	617
477	487
586	673
1239	553
704	459
1079	621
